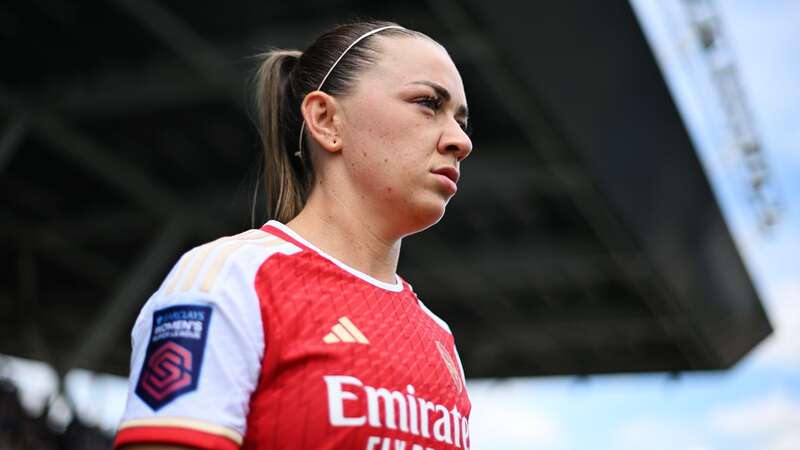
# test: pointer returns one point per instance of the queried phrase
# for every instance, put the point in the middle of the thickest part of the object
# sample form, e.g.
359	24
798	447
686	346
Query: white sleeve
197	348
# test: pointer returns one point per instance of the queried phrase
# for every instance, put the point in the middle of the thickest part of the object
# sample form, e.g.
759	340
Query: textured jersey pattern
343	362
374	391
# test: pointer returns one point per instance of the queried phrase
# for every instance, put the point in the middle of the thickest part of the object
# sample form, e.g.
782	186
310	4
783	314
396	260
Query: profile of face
401	134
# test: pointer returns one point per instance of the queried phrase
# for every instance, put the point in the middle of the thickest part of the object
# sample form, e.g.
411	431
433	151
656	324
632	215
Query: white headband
299	153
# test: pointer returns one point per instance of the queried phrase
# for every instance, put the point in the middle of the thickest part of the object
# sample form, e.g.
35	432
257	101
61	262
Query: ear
320	113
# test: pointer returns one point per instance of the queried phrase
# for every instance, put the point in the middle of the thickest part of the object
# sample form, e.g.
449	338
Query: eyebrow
444	93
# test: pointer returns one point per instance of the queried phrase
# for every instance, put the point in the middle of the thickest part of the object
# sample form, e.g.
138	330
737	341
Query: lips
449	172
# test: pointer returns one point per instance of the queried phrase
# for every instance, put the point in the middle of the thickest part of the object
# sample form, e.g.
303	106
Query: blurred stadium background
586	238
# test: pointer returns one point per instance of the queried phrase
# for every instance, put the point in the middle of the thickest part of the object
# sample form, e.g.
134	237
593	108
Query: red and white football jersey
263	341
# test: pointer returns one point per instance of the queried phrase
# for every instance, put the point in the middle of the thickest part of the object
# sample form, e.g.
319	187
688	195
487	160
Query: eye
434	103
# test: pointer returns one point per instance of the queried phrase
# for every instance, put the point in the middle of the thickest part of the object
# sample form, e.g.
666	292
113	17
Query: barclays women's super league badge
174	354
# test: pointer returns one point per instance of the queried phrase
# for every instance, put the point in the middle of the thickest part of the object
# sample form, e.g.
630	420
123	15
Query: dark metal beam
531	118
512	267
109	325
178	36
159	84
155	85
95	158
27	303
11	137
103	163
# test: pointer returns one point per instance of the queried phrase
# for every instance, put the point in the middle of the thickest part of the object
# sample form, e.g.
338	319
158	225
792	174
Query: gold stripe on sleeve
213	272
180	422
177	275
205	250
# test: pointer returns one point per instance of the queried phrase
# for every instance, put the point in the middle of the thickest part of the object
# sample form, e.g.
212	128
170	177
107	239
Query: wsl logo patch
174	354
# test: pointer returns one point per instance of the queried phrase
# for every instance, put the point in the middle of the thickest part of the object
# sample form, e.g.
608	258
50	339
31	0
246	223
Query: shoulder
198	343
431	315
213	266
219	275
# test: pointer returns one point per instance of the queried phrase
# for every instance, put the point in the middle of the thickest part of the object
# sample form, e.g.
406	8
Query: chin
425	215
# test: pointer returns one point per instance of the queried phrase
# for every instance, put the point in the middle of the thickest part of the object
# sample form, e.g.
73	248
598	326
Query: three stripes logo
345	331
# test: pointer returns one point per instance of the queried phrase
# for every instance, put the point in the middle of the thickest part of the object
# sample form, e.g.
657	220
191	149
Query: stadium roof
584	239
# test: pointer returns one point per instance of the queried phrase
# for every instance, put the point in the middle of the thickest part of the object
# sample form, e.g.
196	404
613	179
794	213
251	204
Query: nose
455	140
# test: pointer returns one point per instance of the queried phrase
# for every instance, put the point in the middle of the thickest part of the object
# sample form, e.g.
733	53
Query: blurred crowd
20	431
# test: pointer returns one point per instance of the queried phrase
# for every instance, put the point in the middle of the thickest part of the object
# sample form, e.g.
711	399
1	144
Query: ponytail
286	178
281	84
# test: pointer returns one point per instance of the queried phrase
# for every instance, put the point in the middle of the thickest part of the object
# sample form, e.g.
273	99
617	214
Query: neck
347	233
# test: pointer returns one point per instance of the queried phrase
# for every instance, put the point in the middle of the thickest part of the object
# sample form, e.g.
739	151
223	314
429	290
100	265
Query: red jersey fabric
348	362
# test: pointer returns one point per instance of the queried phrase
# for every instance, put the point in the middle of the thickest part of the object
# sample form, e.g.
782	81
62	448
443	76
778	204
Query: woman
300	335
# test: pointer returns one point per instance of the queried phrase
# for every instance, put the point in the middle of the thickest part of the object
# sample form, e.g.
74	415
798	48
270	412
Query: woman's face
402	131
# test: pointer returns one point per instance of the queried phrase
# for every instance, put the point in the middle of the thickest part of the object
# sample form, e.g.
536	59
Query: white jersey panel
198	342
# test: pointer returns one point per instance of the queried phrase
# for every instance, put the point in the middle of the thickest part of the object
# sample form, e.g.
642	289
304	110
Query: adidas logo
345	331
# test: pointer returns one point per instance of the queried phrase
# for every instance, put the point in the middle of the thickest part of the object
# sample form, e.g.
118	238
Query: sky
755	405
